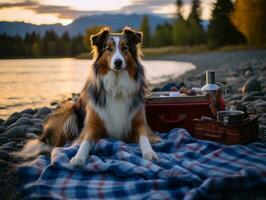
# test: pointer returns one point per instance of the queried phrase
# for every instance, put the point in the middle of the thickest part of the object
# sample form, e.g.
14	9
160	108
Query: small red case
237	134
165	113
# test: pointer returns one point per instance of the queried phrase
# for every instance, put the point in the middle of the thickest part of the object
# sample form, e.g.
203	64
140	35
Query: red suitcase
165	113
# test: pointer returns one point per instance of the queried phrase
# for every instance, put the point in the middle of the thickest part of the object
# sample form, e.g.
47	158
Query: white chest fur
115	114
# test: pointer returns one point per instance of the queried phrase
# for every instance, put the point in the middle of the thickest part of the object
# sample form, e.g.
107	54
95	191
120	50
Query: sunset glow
65	11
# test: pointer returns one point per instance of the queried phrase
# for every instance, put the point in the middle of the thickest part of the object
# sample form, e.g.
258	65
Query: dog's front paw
77	161
149	154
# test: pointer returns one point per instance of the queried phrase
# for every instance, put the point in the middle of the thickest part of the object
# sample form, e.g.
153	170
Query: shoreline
232	68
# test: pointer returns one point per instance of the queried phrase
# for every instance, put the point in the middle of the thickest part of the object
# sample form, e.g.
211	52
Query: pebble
28	111
27	115
38	121
2	121
3	139
248	98
24	120
2	129
41	112
8	146
251	85
34	130
3	163
4	155
15	132
31	136
12	119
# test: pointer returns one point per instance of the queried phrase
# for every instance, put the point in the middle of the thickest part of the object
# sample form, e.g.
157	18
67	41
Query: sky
65	11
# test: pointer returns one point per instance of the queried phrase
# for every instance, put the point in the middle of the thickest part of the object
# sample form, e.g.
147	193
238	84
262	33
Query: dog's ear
132	36
98	39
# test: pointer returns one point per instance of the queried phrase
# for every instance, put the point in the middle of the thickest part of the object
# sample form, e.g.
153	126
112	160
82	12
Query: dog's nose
118	64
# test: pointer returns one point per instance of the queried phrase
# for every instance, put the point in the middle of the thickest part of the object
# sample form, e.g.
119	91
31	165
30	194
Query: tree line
241	22
32	45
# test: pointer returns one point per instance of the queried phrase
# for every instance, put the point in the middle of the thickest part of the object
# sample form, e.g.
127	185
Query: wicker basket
210	129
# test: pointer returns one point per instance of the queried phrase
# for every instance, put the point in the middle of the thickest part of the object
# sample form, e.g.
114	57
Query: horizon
65	12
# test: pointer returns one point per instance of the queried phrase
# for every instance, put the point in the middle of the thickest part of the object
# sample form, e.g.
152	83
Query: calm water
31	83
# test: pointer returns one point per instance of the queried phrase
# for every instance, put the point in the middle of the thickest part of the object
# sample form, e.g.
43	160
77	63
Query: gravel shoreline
232	68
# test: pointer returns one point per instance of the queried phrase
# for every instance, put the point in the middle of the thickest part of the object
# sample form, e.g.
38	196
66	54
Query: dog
111	104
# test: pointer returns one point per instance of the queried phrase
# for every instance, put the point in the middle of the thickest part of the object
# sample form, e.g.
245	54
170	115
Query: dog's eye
124	48
109	49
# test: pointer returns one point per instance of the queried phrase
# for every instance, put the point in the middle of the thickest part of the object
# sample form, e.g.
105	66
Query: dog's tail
62	126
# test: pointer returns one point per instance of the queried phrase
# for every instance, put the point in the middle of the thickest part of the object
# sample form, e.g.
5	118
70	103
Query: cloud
66	12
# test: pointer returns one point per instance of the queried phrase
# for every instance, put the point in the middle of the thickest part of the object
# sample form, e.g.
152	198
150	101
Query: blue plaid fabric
187	168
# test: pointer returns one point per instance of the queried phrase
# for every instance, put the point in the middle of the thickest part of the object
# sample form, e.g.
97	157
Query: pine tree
196	32
145	29
221	31
249	17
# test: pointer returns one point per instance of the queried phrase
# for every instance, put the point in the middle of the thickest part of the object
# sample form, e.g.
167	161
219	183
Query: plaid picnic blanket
187	168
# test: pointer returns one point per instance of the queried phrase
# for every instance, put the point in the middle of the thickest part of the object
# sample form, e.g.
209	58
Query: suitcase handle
214	134
179	118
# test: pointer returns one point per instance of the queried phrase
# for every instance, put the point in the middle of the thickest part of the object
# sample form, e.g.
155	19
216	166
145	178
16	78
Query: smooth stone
12	118
3	139
16	132
42	111
31	136
11	126
27	115
34	130
38	121
4	155
248	73
248	98
28	111
38	126
236	97
3	163
2	121
24	120
2	129
25	126
251	85
261	107
9	145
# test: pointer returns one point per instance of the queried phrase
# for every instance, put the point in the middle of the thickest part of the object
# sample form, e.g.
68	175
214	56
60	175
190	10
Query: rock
241	107
236	97
12	119
34	130
3	163
8	146
16	132
54	103
251	85
2	129
3	140
38	126
24	126
248	73
27	115
4	155
38	121
2	121
28	111
261	107
24	120
31	136
42	111
248	98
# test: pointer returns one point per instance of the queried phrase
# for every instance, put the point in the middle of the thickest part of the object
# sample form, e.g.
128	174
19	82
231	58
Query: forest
231	23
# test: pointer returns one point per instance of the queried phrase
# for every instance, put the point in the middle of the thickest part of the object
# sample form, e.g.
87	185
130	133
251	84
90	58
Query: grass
152	53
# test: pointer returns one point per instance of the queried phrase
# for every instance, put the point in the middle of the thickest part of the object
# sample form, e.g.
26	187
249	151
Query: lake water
31	83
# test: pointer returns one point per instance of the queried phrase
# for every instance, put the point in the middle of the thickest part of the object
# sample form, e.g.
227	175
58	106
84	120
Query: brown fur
94	128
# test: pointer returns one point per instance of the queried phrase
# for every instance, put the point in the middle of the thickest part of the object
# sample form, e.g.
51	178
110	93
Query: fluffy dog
111	104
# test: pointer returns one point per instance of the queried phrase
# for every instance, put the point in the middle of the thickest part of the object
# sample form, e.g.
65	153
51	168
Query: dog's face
116	51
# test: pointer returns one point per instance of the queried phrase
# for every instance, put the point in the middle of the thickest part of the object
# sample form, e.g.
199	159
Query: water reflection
34	83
